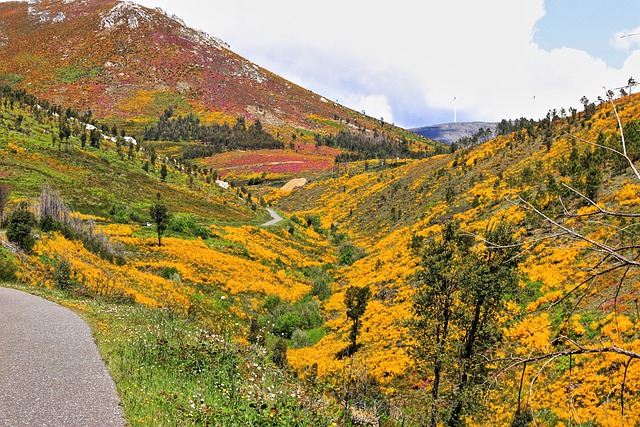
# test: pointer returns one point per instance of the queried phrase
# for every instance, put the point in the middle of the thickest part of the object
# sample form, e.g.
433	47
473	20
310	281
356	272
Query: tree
153	156
5	192
356	299
460	296
280	354
161	216
631	83
163	173
19	227
94	138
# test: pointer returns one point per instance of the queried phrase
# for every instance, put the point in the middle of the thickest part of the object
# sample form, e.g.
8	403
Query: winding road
51	373
276	218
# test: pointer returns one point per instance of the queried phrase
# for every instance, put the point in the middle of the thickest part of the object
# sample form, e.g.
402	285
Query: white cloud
626	39
410	60
376	106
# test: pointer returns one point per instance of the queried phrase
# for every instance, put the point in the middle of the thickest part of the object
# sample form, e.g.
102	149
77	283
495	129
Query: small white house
130	140
222	184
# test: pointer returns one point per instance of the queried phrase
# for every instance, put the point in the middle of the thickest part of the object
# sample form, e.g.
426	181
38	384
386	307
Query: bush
272	304
287	323
62	275
280	354
8	268
171	273
19	228
123	214
300	339
347	255
310	312
189	226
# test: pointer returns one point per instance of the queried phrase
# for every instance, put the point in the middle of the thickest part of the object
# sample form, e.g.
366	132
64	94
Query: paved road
276	218
51	373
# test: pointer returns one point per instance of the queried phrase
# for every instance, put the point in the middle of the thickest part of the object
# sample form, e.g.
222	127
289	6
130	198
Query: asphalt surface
276	218
51	373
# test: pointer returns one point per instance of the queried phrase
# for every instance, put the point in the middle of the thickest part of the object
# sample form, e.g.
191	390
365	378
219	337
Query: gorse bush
8	268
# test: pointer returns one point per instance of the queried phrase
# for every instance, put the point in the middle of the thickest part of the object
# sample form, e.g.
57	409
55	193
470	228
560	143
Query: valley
402	283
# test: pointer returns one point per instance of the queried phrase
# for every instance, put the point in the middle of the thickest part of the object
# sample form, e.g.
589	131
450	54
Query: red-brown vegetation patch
269	161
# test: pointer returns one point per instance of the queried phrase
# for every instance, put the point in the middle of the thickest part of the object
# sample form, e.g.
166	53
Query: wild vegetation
360	254
494	283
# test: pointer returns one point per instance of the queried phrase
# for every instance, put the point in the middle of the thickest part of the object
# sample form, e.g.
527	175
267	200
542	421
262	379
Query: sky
420	63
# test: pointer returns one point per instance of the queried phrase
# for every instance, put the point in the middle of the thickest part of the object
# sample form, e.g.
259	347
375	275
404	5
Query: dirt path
276	218
51	373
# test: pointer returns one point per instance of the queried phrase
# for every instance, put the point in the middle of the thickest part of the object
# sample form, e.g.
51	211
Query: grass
92	180
172	370
71	73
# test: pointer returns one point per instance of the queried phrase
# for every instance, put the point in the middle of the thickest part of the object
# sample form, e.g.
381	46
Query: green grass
315	335
71	73
173	370
92	180
10	79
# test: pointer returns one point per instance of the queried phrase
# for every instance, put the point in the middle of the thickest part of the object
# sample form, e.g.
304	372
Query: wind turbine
455	111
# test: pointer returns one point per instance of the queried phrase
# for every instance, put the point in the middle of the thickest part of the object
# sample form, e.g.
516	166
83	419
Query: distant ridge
449	133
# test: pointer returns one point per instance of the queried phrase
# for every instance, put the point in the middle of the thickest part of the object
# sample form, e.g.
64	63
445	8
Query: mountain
308	322
449	133
224	303
126	61
130	65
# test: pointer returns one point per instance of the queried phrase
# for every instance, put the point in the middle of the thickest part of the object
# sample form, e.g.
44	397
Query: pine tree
161	216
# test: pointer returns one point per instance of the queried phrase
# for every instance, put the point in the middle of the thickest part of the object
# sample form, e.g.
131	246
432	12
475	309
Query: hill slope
381	209
127	61
132	66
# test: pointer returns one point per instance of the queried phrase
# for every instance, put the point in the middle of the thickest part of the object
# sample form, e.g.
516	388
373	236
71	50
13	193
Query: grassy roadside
171	370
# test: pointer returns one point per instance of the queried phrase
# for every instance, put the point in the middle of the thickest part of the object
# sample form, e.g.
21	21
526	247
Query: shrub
8	268
272	303
123	214
300	339
348	255
62	275
19	228
310	312
280	354
287	323
171	273
189	226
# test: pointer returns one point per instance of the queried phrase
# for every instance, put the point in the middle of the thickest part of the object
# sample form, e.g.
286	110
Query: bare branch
579	350
601	211
624	144
604	248
595	144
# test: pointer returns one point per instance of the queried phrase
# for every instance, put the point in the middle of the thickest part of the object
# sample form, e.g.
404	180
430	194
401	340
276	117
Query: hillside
561	293
380	300
127	62
222	286
133	67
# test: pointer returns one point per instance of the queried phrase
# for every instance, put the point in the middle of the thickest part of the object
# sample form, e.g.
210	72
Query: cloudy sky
413	63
